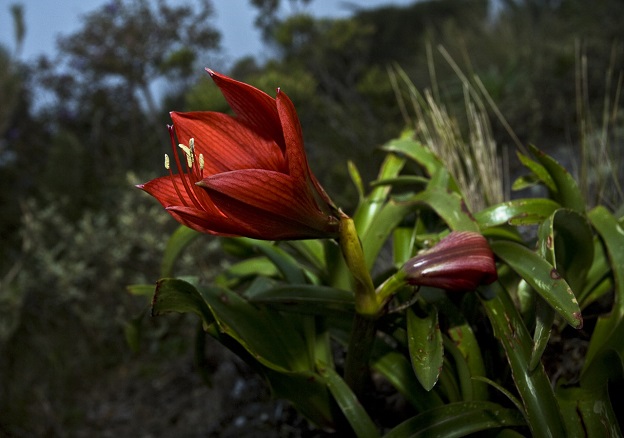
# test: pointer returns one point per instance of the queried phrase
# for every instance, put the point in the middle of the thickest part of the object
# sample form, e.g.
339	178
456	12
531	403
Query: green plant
340	328
284	305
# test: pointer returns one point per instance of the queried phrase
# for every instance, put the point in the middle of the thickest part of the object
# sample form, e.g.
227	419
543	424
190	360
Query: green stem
357	373
366	309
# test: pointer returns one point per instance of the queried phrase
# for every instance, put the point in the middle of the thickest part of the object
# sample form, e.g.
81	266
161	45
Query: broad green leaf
565	241
415	151
449	206
277	345
266	334
381	227
598	276
465	341
612	233
178	241
609	328
567	192
539	173
284	262
350	406
174	295
544	319
588	412
458	420
516	212
573	246
543	278
311	250
245	269
424	340
541	408
307	299
396	368
307	391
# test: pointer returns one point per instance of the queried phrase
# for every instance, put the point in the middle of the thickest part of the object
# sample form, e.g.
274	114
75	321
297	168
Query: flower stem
366	309
357	373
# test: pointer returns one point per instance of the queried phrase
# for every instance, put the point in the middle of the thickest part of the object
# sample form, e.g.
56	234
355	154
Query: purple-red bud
461	261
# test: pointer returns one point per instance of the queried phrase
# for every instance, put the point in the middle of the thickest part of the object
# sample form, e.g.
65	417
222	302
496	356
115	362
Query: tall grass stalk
601	143
471	157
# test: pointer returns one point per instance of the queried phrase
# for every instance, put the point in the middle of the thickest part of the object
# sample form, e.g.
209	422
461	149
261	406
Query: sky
46	19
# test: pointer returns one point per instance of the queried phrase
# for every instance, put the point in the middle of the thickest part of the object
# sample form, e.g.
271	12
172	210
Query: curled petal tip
210	72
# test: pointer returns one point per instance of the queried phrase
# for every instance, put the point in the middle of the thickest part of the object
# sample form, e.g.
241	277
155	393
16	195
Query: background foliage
74	232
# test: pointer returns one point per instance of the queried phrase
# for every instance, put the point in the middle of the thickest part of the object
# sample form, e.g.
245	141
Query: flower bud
459	262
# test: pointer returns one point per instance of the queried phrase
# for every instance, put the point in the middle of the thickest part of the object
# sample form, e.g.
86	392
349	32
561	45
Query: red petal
293	137
206	223
226	143
164	191
460	261
271	192
252	106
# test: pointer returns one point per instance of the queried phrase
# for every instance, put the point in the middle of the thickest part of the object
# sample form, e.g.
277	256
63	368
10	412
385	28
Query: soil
176	401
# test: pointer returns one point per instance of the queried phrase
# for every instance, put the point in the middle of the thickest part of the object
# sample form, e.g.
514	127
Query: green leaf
609	328
396	368
588	412
356	178
266	334
457	420
307	299
350	406
173	295
516	212
373	203
539	174
402	181
598	280
543	278
176	244
541	408
381	227
311	250
415	151
425	346
285	263
465	341
449	206
248	268
566	191
403	239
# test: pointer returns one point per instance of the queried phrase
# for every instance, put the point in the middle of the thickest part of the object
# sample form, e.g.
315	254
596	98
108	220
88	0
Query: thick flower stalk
244	175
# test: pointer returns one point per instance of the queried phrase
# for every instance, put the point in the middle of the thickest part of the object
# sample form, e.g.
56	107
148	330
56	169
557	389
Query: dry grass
471	156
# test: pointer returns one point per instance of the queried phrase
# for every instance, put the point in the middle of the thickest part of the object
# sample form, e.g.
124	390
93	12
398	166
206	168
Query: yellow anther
167	162
201	161
189	154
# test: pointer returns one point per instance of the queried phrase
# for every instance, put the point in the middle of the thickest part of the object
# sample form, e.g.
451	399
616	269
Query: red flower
460	262
246	175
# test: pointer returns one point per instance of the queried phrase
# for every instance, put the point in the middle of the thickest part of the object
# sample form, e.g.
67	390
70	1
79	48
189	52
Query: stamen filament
183	176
